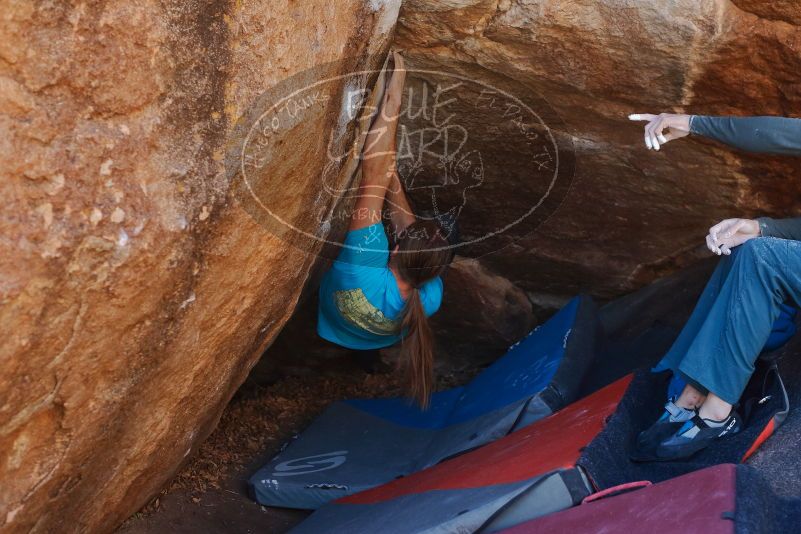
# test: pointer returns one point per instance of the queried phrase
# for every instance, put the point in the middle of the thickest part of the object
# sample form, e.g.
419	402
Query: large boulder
623	216
615	216
136	291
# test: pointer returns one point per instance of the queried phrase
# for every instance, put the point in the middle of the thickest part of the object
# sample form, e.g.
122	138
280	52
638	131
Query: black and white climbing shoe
695	435
668	424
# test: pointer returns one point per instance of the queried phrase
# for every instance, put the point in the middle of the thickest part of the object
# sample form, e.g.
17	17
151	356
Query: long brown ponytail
423	253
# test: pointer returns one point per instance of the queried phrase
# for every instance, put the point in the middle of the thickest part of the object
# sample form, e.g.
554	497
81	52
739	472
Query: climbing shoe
695	435
668	424
671	420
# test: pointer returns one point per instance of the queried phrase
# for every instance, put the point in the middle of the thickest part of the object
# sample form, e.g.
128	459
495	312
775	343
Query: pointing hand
662	128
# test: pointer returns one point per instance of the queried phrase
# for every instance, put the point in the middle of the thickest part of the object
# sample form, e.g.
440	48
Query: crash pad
526	474
358	444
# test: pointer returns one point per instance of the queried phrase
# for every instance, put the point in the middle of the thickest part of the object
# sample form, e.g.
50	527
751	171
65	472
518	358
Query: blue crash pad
358	444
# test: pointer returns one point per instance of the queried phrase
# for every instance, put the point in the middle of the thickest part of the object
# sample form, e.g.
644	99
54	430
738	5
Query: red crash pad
702	501
539	448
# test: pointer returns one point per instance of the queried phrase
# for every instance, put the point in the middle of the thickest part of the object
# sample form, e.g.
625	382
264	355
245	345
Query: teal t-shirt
360	303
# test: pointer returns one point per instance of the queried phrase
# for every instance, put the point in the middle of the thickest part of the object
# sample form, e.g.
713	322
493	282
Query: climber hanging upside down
759	270
372	297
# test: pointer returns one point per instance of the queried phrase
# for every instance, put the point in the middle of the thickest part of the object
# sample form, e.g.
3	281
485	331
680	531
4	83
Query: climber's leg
717	349
690	330
682	408
764	273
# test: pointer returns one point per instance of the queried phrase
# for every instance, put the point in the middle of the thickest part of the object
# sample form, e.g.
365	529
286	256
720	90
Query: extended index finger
642	117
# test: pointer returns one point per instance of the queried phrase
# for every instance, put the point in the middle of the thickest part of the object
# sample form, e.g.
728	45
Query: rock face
136	292
627	215
141	275
482	315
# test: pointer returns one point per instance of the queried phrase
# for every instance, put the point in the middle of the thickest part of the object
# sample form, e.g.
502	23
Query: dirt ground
210	494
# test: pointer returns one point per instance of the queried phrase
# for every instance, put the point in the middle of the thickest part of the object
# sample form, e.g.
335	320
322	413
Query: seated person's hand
730	233
663	127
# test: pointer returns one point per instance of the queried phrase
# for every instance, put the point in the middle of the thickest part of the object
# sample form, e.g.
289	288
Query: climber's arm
773	135
401	214
783	228
378	158
731	233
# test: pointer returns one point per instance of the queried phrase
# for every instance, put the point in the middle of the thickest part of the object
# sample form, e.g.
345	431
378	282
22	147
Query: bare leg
715	408
690	398
709	406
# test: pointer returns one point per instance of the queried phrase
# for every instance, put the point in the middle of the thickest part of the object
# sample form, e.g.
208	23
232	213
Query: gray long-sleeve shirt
770	135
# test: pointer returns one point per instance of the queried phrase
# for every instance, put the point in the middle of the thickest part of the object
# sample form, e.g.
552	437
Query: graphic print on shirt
357	310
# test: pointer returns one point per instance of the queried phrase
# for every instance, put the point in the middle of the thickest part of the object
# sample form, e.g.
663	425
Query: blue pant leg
764	273
681	345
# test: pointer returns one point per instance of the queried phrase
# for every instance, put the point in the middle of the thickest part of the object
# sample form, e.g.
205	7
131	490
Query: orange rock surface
135	291
630	215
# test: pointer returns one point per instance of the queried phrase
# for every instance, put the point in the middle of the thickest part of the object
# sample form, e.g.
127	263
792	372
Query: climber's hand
400	63
662	128
730	233
393	95
398	78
